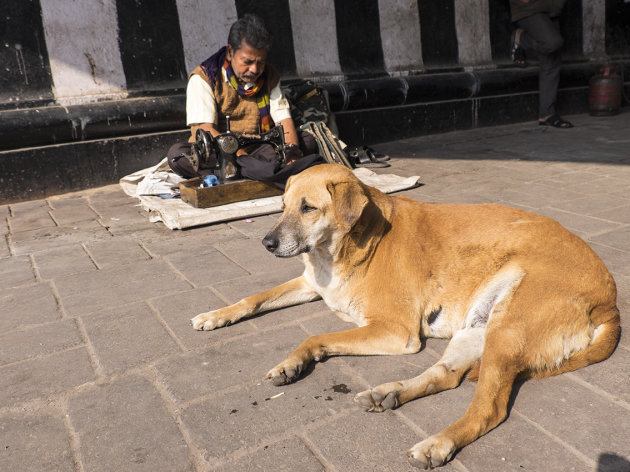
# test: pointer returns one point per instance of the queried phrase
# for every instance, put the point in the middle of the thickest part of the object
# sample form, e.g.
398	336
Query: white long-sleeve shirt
201	105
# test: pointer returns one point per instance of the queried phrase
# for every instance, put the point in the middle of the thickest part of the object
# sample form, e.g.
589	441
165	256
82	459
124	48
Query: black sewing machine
219	153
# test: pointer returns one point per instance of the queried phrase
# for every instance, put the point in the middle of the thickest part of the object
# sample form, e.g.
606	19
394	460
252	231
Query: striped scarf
259	91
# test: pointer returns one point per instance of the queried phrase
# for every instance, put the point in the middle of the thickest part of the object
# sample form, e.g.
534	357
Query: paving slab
108	197
62	261
42	239
619	214
581	224
28	305
34	443
67	211
125	426
593	206
16	271
284	456
93	291
5	212
38	341
366	442
30	215
255	228
195	240
4	247
38	378
618	262
618	238
116	252
611	376
127	336
209	267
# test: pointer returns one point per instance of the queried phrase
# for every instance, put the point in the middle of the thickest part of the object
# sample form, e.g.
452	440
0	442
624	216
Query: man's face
248	63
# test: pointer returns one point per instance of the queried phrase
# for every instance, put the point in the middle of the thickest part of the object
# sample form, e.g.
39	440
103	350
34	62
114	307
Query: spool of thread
210	180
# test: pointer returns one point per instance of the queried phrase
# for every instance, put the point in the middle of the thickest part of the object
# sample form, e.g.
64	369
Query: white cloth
201	104
175	214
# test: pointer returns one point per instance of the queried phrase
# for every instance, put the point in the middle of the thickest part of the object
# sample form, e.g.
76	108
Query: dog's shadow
611	462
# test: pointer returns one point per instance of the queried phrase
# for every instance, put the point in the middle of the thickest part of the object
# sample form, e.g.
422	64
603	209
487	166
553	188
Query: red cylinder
604	98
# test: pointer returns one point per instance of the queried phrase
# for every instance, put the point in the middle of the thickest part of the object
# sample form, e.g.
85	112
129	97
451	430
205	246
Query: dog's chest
333	290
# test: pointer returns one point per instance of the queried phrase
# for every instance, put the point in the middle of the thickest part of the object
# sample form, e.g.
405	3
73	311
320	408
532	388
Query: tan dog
518	294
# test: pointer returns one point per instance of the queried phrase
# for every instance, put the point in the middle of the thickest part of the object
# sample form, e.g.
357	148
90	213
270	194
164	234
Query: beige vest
243	111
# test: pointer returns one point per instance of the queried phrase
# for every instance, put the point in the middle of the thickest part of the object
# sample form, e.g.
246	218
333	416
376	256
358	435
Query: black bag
308	102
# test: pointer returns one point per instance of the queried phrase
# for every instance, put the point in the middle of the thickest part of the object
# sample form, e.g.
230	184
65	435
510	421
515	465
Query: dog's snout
270	242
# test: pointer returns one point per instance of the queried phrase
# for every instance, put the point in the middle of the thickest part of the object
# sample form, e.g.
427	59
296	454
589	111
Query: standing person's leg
542	35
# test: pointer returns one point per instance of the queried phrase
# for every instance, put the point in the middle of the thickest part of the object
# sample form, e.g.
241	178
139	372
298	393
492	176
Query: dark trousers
261	163
542	35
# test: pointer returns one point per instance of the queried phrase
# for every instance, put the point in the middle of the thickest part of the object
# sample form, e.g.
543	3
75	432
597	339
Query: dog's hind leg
500	365
372	339
293	292
462	352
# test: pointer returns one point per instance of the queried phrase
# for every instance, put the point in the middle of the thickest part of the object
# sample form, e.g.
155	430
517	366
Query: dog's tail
603	344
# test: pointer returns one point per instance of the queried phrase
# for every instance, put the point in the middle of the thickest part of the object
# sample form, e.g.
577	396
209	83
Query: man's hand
292	153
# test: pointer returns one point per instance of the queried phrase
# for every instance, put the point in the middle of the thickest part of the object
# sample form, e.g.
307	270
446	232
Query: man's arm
291	138
281	115
290	133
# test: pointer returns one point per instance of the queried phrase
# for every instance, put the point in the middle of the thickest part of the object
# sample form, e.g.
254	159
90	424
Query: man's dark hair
253	30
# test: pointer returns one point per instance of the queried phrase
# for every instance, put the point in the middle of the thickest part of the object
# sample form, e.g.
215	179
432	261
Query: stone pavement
101	371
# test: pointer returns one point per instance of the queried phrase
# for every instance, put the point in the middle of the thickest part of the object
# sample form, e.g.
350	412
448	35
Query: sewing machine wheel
194	156
204	141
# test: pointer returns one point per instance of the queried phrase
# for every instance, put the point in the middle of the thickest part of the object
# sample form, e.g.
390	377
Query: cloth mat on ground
147	184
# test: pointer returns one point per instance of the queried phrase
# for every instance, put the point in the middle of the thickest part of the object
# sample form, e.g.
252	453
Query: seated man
237	82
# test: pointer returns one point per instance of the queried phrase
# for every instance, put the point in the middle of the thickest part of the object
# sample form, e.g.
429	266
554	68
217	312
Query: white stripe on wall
594	29
314	37
82	43
472	22
400	35
205	27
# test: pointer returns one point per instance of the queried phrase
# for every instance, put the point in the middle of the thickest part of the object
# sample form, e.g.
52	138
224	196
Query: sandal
517	53
556	122
366	157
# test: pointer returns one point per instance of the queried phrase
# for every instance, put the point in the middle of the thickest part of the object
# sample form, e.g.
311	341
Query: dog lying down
518	295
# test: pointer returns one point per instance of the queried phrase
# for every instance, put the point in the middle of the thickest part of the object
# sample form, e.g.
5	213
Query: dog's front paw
377	399
286	372
210	320
432	452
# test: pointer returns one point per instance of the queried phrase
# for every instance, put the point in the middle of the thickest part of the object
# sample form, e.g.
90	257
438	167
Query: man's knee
177	157
552	44
308	143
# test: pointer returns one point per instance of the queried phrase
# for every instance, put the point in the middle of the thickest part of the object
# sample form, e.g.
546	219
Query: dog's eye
307	209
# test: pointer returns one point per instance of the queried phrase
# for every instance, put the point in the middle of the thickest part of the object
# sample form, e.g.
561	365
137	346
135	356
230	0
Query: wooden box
229	192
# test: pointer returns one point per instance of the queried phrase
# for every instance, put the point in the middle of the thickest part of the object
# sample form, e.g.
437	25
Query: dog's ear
286	186
348	201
